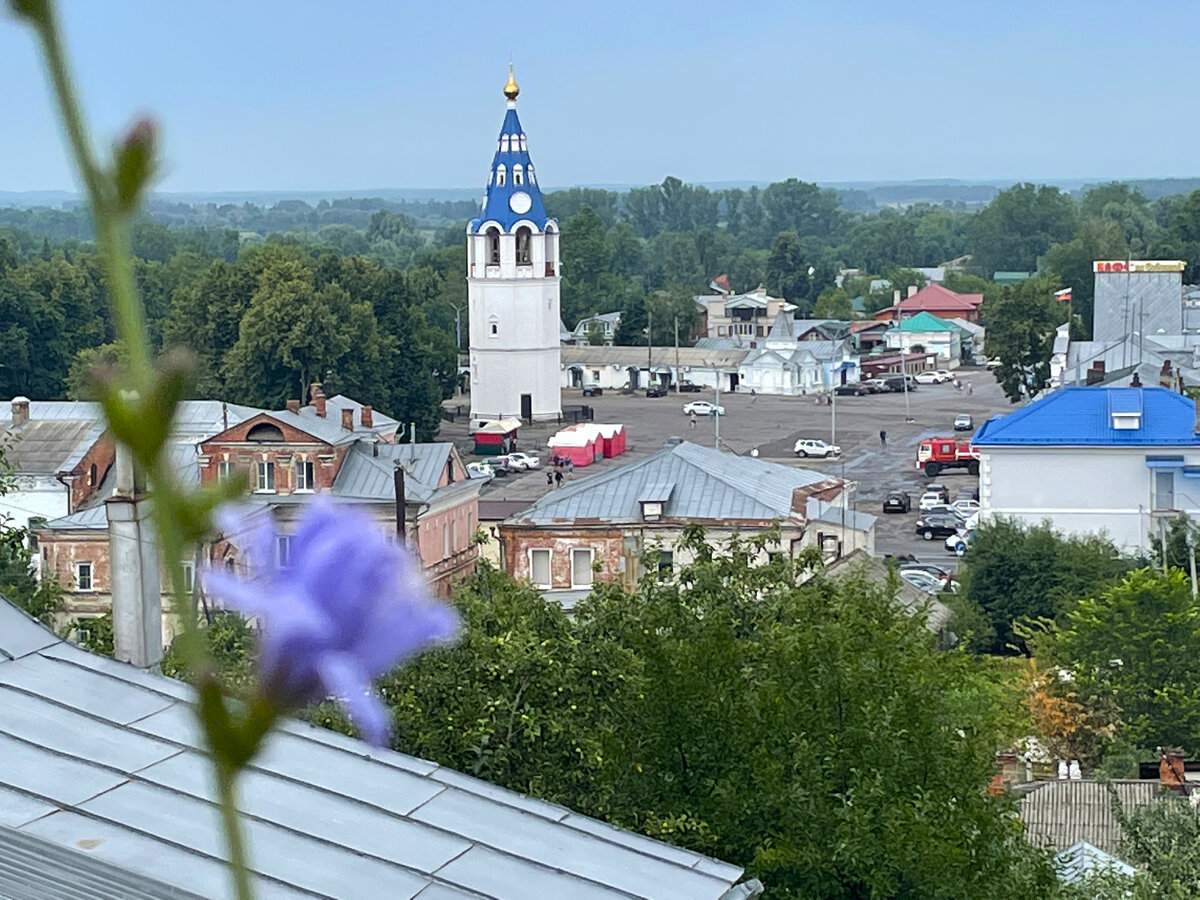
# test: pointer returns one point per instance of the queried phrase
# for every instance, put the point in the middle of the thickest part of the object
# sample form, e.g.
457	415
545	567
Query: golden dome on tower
510	87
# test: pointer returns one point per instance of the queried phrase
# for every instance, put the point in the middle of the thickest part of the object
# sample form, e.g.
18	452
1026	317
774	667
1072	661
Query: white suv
811	447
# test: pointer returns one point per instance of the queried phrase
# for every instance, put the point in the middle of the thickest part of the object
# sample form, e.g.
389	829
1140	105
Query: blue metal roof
496	202
1074	416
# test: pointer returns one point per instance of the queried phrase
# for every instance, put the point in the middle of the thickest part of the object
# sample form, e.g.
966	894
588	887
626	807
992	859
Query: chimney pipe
293	406
1171	769
912	289
348	419
398	484
317	397
20	411
368	419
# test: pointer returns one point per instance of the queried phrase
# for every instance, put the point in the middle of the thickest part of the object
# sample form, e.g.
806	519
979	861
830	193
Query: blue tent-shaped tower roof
510	153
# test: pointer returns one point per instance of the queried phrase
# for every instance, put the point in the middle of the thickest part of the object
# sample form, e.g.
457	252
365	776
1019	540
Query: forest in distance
364	296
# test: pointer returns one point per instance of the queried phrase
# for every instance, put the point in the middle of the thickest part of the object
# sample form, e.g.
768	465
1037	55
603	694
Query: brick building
602	527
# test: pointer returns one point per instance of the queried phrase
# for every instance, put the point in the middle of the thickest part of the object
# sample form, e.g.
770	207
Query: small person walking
692	420
549	478
882	438
558	478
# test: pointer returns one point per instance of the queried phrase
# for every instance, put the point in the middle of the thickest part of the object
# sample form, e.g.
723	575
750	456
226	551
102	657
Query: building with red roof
933	298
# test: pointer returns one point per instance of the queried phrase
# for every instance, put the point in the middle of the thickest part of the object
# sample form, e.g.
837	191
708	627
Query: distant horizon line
432	193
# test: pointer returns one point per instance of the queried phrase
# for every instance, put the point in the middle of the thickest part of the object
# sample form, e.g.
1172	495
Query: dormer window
1125	409
518	174
493	239
524	239
653	501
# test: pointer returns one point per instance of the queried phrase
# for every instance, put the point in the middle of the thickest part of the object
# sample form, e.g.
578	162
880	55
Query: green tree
833	304
1133	645
1022	319
1019	572
787	270
1071	262
1018	226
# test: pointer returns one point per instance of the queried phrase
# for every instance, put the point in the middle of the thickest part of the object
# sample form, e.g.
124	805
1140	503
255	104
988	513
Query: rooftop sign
1139	265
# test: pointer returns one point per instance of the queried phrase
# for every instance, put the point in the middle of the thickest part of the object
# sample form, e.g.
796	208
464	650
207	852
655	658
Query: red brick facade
243	456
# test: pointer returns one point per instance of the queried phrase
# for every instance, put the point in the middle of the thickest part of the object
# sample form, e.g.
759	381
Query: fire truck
938	454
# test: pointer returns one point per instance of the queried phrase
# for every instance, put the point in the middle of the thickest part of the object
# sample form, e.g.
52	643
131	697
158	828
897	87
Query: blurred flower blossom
340	604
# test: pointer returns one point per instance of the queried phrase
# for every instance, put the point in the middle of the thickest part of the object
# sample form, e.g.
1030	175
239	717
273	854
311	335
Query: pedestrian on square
558	478
692	421
549	479
970	390
882	438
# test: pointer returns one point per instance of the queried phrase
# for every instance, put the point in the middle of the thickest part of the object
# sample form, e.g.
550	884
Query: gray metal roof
1059	813
48	446
101	757
368	472
1081	860
707	484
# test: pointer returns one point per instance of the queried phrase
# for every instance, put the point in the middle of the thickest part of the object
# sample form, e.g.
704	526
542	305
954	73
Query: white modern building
1122	461
513	288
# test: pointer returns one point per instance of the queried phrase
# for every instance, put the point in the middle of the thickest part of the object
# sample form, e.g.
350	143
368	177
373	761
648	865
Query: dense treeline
335	275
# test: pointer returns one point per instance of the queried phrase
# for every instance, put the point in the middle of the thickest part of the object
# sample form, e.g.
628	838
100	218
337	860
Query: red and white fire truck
937	454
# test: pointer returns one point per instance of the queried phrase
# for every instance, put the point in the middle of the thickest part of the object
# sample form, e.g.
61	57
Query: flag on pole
1064	294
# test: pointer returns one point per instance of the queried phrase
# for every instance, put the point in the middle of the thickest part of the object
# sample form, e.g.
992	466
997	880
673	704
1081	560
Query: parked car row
933	376
500	466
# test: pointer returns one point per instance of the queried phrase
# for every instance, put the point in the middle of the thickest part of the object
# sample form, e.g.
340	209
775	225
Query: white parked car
924	581
478	470
966	505
928	377
812	447
703	408
944	374
931	499
522	461
963	422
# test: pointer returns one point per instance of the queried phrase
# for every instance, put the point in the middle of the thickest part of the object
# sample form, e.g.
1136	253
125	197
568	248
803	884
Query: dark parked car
933	525
593	390
686	387
656	391
897	502
850	390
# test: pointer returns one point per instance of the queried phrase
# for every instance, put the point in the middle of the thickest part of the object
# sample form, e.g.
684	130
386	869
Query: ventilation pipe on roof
133	571
20	411
317	398
912	289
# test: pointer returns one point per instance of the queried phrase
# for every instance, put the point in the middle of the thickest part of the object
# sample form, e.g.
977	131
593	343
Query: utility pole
1191	547
649	347
677	353
717	416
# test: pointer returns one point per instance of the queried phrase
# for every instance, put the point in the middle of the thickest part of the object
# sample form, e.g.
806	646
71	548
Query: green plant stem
235	840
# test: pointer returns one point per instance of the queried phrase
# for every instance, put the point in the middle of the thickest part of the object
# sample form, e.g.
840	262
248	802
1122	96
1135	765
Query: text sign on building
1139	265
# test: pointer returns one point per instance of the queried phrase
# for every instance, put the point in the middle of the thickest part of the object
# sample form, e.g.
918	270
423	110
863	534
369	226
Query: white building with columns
513	288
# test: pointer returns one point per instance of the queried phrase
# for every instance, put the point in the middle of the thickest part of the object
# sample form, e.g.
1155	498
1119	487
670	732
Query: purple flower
346	604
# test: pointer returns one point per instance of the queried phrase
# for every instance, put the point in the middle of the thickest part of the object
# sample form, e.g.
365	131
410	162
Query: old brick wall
297	445
605	542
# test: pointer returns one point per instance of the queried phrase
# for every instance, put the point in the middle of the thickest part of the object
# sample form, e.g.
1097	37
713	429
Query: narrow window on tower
504	143
518	174
500	175
529	172
493	237
523	240
493	326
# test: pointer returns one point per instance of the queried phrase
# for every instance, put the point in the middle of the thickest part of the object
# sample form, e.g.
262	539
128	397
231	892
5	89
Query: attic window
265	432
652	510
1126	421
653	501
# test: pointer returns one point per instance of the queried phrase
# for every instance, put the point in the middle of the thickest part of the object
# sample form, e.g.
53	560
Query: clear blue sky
341	96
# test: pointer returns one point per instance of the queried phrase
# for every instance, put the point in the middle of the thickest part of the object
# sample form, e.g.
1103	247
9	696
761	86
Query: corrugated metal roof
32	868
49	446
1057	814
1076	416
1082	860
707	484
103	757
368	472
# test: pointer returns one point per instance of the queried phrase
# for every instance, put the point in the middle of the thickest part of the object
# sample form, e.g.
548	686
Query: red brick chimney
368	419
1170	769
293	406
20	411
317	398
347	418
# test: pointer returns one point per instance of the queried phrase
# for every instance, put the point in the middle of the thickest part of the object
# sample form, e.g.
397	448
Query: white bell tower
513	288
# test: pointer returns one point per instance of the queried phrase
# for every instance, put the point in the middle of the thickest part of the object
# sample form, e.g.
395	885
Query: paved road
772	424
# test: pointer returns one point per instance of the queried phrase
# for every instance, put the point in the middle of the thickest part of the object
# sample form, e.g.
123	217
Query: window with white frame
1164	488
539	567
283	550
304	475
83	576
581	567
530	176
518	174
446	549
265	470
503	145
500	173
224	469
189	575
